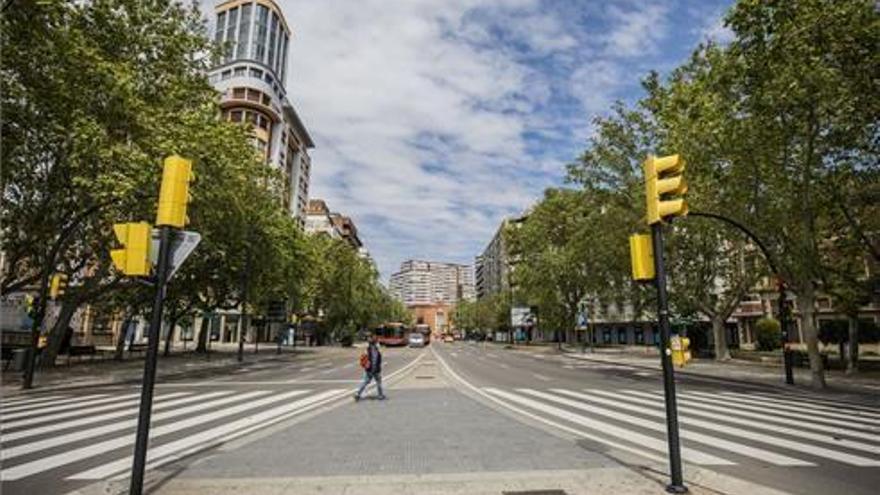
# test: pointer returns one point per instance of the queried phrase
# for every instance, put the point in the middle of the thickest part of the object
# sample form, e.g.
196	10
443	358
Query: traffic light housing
664	186
174	192
58	285
641	254
134	258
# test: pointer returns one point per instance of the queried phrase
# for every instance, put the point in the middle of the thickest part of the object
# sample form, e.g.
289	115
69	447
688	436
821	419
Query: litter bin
19	356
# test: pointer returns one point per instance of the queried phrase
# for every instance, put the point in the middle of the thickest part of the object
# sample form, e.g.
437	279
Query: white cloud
636	31
418	131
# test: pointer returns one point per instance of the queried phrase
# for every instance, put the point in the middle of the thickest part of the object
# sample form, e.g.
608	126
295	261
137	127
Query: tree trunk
852	362
719	334
59	330
172	324
202	346
806	304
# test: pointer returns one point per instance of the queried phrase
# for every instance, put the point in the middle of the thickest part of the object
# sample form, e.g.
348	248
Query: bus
392	334
425	330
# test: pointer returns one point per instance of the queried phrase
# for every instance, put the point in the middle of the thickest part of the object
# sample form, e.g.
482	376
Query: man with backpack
371	362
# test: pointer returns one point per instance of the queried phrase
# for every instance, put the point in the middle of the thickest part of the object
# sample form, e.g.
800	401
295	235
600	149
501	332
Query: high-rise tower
251	76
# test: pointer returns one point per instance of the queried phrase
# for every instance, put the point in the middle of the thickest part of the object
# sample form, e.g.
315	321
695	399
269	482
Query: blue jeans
371	376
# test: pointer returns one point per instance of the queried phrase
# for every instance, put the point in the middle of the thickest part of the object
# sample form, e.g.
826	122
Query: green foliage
768	335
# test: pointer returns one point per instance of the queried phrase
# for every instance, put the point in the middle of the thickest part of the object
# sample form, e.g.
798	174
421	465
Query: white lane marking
726	418
541	377
119	426
23	411
214	435
493	356
502	365
453	354
79	412
161	403
737	448
646	441
20	401
773	408
568	367
46	463
842	409
828	402
758	414
534	417
304	370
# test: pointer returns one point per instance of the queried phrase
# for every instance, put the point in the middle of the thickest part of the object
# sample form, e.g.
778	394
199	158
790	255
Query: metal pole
244	303
783	325
677	483
143	428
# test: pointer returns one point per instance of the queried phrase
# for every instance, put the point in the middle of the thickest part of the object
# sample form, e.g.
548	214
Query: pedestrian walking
371	362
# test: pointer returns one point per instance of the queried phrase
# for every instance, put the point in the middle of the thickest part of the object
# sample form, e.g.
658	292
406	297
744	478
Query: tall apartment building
429	282
251	76
493	266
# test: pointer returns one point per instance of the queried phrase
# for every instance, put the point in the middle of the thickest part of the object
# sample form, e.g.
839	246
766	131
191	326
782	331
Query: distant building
251	76
429	282
319	219
494	265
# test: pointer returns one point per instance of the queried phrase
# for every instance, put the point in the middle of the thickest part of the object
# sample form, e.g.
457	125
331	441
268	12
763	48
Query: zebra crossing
717	429
91	437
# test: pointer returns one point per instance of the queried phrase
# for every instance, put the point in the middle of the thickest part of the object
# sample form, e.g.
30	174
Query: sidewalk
865	383
107	371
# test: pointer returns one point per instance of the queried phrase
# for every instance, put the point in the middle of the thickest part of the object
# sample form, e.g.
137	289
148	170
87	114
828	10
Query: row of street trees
94	95
779	130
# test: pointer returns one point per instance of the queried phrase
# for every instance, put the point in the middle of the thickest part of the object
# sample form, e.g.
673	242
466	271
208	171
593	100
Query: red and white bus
392	334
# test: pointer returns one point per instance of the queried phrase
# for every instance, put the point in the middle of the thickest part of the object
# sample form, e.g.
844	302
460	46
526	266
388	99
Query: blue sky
434	119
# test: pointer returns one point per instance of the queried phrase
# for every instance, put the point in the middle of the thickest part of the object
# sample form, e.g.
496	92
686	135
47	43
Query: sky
435	119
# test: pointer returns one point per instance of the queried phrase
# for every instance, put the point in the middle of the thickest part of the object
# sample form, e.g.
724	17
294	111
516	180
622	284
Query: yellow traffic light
134	258
174	193
664	181
641	254
57	285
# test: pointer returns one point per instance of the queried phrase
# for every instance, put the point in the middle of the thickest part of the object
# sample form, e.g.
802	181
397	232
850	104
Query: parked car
448	338
416	339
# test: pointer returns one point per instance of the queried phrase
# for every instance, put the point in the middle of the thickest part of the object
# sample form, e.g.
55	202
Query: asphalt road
455	411
796	442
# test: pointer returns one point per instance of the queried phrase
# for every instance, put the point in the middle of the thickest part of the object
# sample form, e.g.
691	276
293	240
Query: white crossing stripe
836	411
22	411
26	399
803	411
727	418
645	441
12	473
213	435
52	418
161	403
872	411
732	415
791	412
54	441
745	450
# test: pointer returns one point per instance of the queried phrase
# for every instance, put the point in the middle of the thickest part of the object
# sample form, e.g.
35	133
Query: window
253	95
283	65
621	336
256	73
240	71
260	31
226	74
267	100
238	93
273	30
606	336
230	32
640	336
235	116
244	30
221	26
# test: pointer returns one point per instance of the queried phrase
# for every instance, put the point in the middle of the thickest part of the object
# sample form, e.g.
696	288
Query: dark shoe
357	398
381	397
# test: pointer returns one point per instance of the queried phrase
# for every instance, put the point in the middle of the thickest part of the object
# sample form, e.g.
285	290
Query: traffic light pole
166	237
677	483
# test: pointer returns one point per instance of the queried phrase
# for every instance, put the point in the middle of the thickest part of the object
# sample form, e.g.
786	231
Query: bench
137	348
81	350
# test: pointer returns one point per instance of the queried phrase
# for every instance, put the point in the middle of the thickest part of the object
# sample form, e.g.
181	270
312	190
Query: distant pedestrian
371	362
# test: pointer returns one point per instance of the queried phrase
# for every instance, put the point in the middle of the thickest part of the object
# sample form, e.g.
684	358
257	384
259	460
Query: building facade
250	76
494	265
428	282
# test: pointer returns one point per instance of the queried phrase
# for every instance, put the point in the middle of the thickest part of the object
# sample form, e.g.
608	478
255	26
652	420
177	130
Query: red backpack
365	361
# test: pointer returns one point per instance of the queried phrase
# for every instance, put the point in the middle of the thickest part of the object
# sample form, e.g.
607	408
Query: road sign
183	245
518	315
